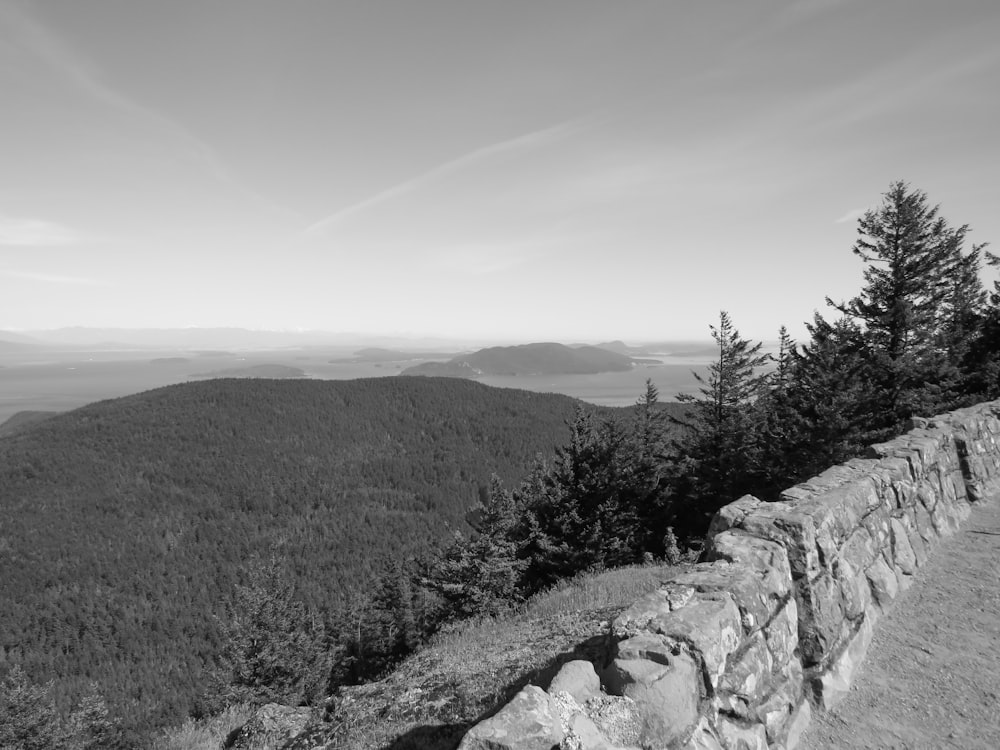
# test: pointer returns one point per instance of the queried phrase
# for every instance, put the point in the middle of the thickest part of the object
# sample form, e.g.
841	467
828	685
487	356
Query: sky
500	170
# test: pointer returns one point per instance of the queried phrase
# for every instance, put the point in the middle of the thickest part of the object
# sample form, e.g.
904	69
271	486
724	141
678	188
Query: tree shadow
431	737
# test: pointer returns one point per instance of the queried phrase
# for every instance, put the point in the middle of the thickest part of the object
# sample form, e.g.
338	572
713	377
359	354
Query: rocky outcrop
736	652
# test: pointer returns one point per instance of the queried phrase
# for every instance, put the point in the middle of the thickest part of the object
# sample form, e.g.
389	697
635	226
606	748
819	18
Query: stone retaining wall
737	651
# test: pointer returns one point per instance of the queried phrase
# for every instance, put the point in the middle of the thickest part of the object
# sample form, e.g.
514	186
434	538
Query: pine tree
830	401
965	299
276	650
584	513
912	258
28	716
480	573
399	616
982	364
717	454
780	424
649	491
649	424
91	725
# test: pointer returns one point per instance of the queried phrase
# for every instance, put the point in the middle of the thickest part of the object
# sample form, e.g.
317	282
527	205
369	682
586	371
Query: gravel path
931	678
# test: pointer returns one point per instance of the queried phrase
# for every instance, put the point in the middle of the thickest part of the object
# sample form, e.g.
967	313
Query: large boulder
528	722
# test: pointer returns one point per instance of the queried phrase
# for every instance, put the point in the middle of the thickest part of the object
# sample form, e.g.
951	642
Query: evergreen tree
649	490
583	512
913	259
718	452
981	364
28	716
965	300
829	401
481	573
398	617
91	725
276	649
649	425
780	424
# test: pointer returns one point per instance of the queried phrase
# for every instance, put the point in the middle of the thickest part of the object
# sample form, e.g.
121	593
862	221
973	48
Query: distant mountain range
527	359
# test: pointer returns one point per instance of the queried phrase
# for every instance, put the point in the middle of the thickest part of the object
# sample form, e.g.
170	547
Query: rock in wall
736	652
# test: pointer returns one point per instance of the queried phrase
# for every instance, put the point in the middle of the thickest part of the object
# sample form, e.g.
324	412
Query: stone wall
737	651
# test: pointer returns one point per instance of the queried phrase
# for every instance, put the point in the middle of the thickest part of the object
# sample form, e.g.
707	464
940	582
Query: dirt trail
931	678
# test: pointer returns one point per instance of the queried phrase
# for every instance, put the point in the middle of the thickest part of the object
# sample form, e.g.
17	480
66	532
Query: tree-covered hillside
127	525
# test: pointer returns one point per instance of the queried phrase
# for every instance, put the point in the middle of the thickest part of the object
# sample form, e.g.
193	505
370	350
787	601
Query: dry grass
474	667
612	588
203	735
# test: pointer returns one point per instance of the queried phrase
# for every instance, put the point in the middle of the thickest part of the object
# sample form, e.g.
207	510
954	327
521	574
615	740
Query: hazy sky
522	169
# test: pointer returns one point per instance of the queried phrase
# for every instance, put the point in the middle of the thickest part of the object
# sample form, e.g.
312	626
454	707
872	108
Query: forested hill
126	525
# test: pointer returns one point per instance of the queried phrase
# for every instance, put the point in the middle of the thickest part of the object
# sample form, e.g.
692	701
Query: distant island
527	359
169	361
255	371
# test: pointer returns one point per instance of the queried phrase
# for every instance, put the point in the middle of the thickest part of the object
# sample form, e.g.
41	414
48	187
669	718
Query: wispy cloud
50	278
85	77
851	216
20	232
534	139
785	18
896	87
